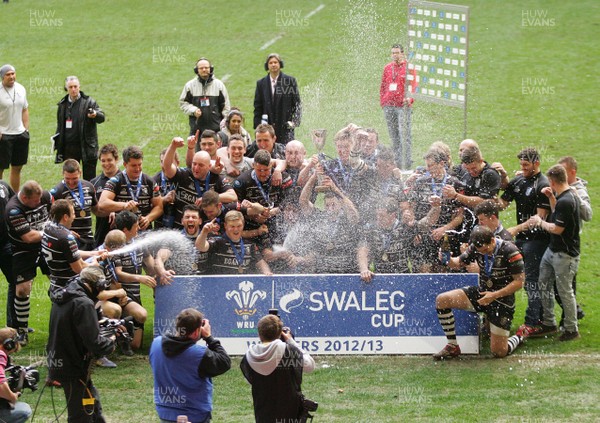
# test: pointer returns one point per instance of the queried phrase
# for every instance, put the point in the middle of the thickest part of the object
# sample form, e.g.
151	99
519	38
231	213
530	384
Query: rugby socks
513	343
446	317
22	311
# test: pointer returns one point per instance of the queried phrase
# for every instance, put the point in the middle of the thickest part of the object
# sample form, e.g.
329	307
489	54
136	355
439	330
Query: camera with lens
285	329
21	377
122	329
308	406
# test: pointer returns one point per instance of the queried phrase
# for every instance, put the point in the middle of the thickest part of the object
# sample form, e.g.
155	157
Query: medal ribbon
387	236
111	268
489	260
347	176
134	261
199	190
165	186
81	199
435	190
130	189
239	257
265	194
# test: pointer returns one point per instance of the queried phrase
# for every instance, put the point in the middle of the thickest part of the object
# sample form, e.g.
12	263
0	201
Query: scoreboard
438	51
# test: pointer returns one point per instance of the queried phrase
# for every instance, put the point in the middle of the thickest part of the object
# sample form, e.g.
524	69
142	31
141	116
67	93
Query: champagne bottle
445	251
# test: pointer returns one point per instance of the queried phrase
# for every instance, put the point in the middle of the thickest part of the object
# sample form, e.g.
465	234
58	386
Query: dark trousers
532	250
89	169
75	392
6	267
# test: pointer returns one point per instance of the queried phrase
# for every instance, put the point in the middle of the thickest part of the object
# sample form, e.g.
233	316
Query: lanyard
81	199
265	194
14	97
239	256
395	72
489	260
199	190
130	189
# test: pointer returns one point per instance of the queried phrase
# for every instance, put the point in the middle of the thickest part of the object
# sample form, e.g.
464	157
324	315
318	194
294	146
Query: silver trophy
318	138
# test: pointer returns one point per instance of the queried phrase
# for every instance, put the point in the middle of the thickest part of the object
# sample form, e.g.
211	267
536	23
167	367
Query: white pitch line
317	10
225	77
144	143
271	42
277	38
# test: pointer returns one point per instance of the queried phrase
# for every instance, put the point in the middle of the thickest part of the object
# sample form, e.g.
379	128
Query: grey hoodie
264	358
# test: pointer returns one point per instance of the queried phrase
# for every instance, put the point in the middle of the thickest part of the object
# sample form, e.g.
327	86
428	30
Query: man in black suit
277	96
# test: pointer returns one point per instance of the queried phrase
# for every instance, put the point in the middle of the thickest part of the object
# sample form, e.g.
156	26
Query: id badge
393	86
204	102
69	124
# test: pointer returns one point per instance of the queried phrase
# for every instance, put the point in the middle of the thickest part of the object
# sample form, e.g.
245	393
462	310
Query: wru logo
246	298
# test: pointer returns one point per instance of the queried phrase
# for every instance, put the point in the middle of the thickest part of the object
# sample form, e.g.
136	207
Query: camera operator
11	410
183	370
73	341
274	369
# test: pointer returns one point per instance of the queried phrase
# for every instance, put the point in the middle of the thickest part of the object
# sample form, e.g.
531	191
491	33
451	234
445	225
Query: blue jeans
399	122
532	250
19	414
559	268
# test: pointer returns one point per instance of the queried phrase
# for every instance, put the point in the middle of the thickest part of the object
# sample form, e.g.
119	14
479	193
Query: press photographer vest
178	389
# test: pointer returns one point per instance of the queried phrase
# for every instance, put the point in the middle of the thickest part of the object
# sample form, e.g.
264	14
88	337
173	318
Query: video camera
286	329
21	377
110	327
308	406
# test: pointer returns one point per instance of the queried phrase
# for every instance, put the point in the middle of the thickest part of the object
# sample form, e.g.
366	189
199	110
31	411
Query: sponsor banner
329	314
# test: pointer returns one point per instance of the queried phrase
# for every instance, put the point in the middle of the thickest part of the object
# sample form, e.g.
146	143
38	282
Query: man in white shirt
14	126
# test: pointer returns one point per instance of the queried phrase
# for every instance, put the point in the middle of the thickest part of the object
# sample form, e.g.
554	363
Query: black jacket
275	373
74	335
281	108
88	133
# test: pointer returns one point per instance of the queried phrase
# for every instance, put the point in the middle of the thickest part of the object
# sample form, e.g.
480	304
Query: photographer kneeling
11	410
73	341
274	369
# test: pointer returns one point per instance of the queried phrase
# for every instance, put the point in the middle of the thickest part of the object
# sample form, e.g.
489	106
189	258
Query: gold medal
489	283
194	266
241	269
330	246
384	257
82	213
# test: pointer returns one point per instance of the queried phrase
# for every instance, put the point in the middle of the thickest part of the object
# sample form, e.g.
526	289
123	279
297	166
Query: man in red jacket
397	106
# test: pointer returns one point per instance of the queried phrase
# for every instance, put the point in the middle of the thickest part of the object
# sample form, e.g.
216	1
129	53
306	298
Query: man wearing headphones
277	100
11	410
204	99
76	132
74	339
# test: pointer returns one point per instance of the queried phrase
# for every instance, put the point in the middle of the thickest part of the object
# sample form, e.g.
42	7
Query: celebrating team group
249	203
